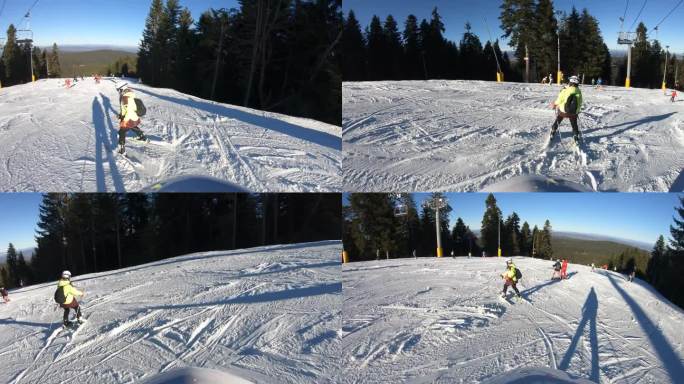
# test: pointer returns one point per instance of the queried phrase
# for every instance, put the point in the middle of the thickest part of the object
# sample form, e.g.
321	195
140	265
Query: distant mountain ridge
94	47
28	253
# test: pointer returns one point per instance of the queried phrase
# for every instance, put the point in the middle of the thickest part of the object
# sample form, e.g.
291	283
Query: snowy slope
441	320
466	135
57	139
268	314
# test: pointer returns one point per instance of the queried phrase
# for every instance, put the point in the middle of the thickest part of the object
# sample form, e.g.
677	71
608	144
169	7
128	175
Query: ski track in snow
58	139
272	312
465	135
441	320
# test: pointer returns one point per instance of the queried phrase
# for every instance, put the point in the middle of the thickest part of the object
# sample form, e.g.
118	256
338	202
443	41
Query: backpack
571	104
518	274
60	298
140	107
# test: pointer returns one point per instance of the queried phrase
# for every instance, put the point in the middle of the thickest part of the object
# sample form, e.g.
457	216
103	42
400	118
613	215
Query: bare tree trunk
276	209
218	60
235	209
118	241
255	51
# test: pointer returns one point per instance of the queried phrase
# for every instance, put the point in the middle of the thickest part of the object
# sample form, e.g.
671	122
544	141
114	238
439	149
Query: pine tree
373	226
12	267
353	48
409	230
525	240
545	43
460	237
149	54
12	58
394	54
655	270
491	222
55	68
545	247
412	66
518	23
677	229
377	50
471	54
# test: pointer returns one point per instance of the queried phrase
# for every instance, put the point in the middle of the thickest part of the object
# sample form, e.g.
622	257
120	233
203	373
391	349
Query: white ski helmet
509	261
66	275
573	80
121	87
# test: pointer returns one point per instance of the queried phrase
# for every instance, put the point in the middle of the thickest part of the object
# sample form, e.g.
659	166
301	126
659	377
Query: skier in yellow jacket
66	295
128	116
510	278
568	105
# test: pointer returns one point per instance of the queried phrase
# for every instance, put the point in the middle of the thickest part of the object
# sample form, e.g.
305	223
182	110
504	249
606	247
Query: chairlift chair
400	210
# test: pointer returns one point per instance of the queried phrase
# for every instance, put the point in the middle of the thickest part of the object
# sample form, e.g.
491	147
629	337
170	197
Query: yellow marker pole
559	77
664	87
439	252
345	257
499	252
627	83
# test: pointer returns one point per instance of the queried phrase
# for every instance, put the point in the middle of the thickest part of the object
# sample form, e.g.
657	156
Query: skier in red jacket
564	269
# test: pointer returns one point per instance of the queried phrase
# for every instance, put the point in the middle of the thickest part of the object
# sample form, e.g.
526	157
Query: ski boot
576	138
122	149
142	137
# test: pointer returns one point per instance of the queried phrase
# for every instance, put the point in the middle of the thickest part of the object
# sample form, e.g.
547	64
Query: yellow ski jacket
563	98
69	291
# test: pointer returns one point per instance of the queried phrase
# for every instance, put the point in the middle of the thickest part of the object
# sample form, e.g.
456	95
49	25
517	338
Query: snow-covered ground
465	135
58	139
441	321
268	314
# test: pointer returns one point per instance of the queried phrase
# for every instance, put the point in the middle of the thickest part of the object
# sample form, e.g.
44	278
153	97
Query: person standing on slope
128	116
510	278
65	296
568	105
556	269
564	269
5	295
673	95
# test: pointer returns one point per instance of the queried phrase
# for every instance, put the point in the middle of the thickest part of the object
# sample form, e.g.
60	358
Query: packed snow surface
442	321
57	139
465	135
268	314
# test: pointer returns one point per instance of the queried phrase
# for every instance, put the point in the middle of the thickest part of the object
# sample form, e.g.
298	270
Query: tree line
96	232
17	57
534	30
665	268
377	225
420	52
276	55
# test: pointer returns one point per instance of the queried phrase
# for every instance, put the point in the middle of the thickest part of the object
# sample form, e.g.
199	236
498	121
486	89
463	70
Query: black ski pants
512	284
559	119
123	131
73	305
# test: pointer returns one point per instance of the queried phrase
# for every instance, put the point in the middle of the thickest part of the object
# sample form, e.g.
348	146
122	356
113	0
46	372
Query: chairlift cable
639	14
624	15
671	11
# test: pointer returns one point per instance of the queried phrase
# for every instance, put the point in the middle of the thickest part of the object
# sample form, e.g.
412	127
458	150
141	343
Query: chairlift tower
436	204
667	53
628	39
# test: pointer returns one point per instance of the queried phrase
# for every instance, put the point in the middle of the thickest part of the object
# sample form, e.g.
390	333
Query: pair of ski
513	299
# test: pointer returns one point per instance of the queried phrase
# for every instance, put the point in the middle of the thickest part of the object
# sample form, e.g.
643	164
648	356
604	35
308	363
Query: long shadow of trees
670	359
103	145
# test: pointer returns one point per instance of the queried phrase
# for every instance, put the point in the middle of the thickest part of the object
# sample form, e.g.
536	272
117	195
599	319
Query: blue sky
455	13
18	218
634	216
109	22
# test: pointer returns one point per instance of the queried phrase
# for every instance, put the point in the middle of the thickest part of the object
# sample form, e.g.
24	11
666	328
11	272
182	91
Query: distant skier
593	266
556	270
414	254
65	296
673	96
632	275
545	80
510	277
550	79
564	269
599	82
568	105
128	116
593	81
5	295
453	256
